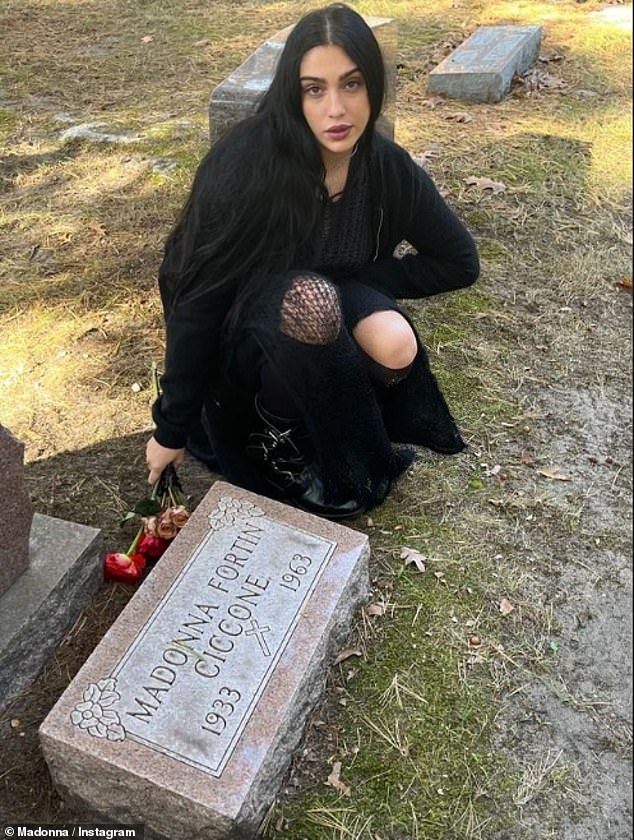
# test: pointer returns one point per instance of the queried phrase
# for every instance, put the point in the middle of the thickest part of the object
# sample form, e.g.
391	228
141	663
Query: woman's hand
158	457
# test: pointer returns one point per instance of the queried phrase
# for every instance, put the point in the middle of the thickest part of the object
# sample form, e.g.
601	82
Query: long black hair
255	200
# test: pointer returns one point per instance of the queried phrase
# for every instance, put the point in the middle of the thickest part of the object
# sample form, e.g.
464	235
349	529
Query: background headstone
16	510
49	571
481	69
237	96
186	716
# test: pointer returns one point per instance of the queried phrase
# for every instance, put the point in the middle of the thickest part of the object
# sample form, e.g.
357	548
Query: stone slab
481	69
17	510
237	96
65	570
187	714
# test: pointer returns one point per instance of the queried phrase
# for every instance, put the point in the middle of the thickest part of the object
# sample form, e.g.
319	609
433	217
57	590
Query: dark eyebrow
323	81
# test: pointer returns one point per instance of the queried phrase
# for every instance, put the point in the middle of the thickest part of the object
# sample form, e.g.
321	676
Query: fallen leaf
506	607
486	184
347	653
535	80
460	117
410	555
375	609
547	57
625	283
553	472
147	39
334	780
433	101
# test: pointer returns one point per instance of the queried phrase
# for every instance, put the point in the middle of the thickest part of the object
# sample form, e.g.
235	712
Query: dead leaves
459	117
553	473
375	609
486	184
535	81
413	557
346	654
334	780
505	606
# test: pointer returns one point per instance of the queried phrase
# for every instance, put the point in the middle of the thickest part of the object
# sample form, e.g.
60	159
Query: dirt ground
537	366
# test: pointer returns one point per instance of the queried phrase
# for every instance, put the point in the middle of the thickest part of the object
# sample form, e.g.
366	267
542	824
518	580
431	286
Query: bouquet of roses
163	514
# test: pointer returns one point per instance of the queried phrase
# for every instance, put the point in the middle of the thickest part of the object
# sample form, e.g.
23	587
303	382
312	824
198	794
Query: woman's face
334	101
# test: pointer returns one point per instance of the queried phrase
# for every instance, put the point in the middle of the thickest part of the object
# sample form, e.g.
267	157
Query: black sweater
406	205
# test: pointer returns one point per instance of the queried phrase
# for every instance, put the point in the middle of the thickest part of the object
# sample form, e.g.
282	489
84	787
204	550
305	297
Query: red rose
152	546
123	567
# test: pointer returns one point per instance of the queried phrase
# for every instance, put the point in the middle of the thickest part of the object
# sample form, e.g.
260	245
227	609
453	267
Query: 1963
298	567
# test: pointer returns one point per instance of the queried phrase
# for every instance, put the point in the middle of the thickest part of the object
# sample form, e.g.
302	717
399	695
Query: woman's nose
335	104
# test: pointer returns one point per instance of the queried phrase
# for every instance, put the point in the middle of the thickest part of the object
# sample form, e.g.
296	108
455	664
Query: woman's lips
339	132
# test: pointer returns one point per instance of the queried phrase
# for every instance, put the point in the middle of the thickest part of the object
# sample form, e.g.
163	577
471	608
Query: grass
414	721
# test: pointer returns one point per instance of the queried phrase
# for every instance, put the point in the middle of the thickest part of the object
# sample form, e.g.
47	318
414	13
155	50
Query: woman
289	365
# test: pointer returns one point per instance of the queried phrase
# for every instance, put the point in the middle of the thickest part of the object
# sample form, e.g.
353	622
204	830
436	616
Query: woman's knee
311	310
387	338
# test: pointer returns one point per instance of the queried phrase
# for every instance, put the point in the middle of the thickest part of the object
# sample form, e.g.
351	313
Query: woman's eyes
351	85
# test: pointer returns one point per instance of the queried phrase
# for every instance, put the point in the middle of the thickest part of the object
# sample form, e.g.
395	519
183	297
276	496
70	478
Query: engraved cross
259	632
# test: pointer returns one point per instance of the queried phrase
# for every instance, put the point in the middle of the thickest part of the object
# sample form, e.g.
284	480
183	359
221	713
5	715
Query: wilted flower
179	515
165	527
163	514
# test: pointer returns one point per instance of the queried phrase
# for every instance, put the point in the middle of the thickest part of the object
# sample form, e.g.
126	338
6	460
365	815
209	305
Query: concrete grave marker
237	96
17	510
186	716
481	69
49	571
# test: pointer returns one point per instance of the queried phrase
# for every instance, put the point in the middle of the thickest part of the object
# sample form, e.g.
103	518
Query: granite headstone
186	716
17	511
481	69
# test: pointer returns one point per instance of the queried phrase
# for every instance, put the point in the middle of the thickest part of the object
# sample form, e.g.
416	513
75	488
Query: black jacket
406	205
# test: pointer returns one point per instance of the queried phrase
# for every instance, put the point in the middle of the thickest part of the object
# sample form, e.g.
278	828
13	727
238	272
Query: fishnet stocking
311	312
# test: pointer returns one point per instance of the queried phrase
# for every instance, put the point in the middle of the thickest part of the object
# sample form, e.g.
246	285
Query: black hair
257	194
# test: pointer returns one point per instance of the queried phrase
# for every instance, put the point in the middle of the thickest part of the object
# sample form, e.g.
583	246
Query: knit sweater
405	205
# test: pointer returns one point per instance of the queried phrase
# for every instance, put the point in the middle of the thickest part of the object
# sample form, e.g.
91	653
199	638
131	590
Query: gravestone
186	716
49	569
17	511
481	69
237	96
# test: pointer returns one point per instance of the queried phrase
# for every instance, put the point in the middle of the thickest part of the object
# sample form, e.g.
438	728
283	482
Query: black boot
282	447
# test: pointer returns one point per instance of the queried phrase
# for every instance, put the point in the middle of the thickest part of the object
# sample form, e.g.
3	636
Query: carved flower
232	511
94	715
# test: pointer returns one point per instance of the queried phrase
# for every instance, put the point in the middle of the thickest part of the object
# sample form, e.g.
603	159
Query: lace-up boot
282	447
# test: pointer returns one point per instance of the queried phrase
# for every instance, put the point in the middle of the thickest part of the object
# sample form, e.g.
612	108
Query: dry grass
534	361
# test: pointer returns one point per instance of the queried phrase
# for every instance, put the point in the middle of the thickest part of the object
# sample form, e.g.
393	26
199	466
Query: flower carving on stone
94	715
232	511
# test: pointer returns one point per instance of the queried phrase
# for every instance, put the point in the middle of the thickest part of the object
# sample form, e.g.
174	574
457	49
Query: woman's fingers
158	457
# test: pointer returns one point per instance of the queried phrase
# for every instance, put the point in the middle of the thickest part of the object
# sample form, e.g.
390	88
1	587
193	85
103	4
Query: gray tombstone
481	69
17	511
49	571
237	96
